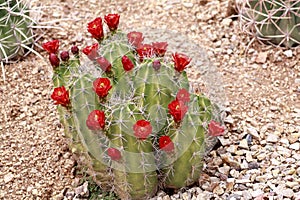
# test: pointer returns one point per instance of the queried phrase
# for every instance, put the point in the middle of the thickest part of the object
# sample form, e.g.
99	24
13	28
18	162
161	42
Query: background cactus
275	21
129	112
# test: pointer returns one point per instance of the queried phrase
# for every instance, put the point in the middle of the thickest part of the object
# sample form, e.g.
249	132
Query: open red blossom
166	144
180	61
91	51
95	28
114	154
183	95
61	96
54	60
102	86
215	128
160	48
145	51
51	46
104	64
112	21
178	110
135	38
142	129
96	120
127	63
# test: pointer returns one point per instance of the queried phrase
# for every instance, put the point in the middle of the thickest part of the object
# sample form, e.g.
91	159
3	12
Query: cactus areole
130	113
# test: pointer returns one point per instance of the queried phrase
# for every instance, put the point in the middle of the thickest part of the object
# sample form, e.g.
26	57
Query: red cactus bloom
102	86
64	55
104	64
135	38
96	120
91	51
114	154
160	48
142	129
54	60
112	21
127	63
61	96
183	95
178	110
145	51
180	61
95	28
51	46
74	50
215	128
166	144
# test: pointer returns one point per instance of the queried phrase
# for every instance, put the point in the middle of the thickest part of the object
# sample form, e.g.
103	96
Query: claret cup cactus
130	113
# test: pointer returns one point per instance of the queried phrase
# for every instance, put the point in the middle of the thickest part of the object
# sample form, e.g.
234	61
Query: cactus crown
130	112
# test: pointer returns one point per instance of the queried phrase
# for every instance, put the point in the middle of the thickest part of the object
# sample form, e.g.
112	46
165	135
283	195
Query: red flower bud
112	21
114	154
178	110
91	51
215	128
61	96
127	63
142	129
51	47
104	64
64	55
160	48
183	95
135	38
166	144
95	28
156	64
75	50
145	51
96	120
54	60
180	61
102	86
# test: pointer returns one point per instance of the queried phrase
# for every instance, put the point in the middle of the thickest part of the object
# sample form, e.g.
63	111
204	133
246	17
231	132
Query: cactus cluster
272	21
130	113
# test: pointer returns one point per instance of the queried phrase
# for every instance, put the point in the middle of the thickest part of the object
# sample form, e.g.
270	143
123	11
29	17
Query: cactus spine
131	114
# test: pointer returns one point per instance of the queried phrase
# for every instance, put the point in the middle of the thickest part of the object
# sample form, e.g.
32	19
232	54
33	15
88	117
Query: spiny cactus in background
131	112
272	21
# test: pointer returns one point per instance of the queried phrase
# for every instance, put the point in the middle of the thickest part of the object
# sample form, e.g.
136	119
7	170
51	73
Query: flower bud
54	60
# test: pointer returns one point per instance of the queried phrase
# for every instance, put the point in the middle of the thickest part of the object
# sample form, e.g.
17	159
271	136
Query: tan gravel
259	156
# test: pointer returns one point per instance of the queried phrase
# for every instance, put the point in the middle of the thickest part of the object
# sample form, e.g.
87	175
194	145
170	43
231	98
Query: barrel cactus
272	21
129	111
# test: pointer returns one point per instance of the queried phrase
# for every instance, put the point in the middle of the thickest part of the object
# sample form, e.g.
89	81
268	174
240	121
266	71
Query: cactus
129	112
275	21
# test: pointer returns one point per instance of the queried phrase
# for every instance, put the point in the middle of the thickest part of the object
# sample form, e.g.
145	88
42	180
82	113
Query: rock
166	197
249	156
293	137
272	138
257	193
295	146
82	190
287	193
288	53
244	144
247	195
253	132
35	192
218	190
253	165
261	57
8	177
224	170
226	22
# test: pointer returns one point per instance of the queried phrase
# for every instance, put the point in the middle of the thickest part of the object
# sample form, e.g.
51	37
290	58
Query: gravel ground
258	158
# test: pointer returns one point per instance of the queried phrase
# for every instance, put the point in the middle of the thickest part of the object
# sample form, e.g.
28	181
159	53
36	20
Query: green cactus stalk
276	22
129	112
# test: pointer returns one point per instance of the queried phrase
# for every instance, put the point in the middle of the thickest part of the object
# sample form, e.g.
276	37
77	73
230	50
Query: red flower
166	144
127	63
183	95
145	51
114	154
91	51
102	86
61	96
215	128
64	55
142	129
51	47
180	61
96	120
160	48
95	28
177	109
135	38
104	64
54	60
112	21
